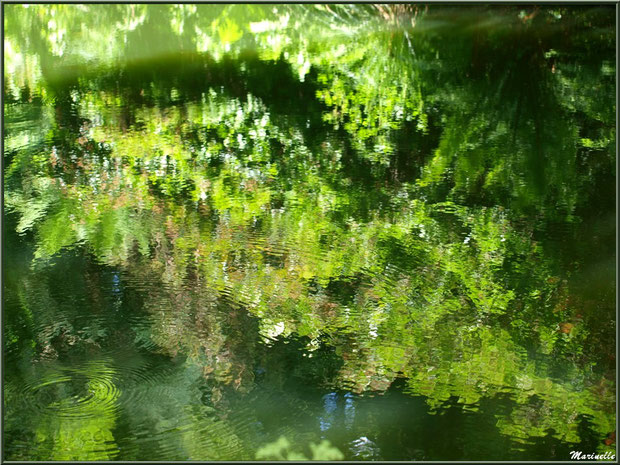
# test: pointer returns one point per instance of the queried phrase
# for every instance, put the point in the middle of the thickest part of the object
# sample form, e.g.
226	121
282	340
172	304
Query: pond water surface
239	232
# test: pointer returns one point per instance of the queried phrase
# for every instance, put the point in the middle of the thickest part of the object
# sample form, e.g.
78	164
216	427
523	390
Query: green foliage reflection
364	178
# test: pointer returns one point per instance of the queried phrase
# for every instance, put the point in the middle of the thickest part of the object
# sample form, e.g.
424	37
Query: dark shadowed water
240	232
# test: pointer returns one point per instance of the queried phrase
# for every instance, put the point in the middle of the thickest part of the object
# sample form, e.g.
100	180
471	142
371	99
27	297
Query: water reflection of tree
248	219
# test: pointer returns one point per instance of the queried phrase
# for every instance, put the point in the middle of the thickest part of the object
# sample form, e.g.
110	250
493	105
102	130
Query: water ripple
85	392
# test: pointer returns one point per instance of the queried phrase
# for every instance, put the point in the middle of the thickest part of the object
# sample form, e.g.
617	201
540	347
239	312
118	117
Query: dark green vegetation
325	232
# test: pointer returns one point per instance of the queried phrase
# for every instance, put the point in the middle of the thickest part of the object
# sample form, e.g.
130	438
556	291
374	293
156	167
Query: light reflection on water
385	227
